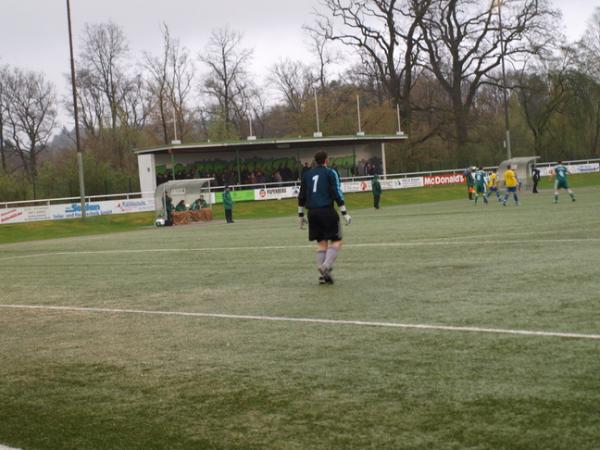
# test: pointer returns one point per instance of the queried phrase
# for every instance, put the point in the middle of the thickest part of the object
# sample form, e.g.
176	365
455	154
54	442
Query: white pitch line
312	321
423	243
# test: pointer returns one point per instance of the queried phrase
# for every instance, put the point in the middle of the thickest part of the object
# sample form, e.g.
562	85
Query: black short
324	225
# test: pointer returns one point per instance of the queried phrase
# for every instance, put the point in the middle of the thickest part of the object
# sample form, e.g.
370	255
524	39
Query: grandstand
231	162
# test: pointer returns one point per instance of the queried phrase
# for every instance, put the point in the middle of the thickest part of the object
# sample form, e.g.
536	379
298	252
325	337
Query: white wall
147	171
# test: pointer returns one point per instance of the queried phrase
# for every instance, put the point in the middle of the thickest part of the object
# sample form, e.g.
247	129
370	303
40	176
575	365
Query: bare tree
590	46
31	116
293	80
158	80
542	90
464	47
585	102
104	51
135	104
227	80
170	81
182	80
318	44
92	107
384	33
105	86
258	110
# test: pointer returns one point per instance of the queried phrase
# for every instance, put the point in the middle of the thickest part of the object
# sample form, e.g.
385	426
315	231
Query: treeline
439	62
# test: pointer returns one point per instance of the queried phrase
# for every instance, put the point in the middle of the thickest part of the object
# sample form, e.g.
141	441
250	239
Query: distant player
376	188
560	182
511	182
480	180
468	174
535	176
319	188
492	185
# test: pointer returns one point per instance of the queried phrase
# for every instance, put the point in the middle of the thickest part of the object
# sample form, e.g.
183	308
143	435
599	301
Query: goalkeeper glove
303	222
347	218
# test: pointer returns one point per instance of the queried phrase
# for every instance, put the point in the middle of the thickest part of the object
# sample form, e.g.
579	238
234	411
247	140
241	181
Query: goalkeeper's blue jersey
319	188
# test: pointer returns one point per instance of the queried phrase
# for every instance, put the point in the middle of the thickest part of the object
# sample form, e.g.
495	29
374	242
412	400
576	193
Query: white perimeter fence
95	205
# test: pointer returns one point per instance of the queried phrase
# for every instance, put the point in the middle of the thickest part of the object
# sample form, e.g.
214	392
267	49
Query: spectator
199	204
376	187
305	168
228	205
335	169
181	206
362	167
286	173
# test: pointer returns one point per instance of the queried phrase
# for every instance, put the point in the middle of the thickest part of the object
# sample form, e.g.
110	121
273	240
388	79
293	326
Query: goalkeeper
319	188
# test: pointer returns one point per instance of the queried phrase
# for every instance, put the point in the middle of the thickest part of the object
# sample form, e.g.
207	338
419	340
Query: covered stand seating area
180	202
260	162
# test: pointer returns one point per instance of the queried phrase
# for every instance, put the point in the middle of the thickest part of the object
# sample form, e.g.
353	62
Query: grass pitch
110	378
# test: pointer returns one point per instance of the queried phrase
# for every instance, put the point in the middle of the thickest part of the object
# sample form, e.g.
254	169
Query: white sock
330	257
320	257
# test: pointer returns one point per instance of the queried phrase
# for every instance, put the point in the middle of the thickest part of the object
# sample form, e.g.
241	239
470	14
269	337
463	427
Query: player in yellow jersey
511	182
492	185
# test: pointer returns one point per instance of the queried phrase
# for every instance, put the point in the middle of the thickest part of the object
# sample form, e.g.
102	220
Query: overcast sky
33	33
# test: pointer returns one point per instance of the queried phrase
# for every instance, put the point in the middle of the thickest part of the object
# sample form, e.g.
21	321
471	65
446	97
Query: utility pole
76	116
2	153
498	3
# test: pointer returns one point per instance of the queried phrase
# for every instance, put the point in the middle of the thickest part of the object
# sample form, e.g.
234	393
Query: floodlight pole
76	116
174	124
317	110
399	132
504	89
318	132
251	137
360	132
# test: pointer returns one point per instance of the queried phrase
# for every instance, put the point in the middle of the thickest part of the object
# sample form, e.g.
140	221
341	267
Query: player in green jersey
560	173
480	179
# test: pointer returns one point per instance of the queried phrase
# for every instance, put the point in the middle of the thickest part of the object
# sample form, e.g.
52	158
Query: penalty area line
409	326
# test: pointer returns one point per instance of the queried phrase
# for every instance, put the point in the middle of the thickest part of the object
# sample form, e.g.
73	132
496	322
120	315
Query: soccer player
560	182
319	188
480	180
492	185
468	174
535	176
511	182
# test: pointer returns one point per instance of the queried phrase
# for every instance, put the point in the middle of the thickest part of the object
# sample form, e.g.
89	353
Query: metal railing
269	185
88	199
